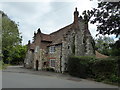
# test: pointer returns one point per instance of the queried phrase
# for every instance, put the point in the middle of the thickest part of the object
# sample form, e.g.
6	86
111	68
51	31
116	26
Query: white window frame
51	49
36	48
51	63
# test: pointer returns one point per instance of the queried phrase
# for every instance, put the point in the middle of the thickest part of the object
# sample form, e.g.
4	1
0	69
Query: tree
107	16
103	45
10	32
10	36
116	48
17	54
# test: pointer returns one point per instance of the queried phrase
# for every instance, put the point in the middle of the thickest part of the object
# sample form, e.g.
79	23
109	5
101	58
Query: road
16	77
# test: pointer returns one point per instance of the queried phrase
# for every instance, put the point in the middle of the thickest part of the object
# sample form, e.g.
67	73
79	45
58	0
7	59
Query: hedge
91	67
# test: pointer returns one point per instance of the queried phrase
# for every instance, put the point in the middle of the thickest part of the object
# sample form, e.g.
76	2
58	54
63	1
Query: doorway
37	65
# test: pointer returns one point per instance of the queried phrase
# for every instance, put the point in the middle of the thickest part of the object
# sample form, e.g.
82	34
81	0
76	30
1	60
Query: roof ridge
61	29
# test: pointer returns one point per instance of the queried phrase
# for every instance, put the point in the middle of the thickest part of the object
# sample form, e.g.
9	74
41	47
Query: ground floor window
52	62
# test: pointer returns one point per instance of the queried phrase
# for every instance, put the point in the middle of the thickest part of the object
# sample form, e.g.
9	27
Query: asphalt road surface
30	80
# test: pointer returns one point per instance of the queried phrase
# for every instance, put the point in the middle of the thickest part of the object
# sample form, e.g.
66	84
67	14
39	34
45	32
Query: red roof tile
46	37
99	55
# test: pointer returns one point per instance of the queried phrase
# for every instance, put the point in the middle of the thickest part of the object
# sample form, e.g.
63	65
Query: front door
37	65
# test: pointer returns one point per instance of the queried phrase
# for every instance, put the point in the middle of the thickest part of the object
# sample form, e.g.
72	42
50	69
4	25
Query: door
37	65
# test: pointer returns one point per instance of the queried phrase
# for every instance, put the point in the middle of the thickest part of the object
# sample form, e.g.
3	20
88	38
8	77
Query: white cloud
93	28
28	15
37	0
49	16
88	5
85	5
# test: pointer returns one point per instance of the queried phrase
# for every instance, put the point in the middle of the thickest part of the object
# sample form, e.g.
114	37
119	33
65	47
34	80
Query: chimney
76	14
29	42
28	45
34	33
39	31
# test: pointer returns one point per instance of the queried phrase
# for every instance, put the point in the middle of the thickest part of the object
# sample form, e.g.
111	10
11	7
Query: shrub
79	66
91	67
50	69
103	68
115	78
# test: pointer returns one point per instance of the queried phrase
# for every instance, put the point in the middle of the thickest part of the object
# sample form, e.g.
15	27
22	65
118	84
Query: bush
91	67
104	68
115	78
50	69
79	66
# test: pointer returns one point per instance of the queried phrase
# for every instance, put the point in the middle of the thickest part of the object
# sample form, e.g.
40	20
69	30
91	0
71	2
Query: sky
48	15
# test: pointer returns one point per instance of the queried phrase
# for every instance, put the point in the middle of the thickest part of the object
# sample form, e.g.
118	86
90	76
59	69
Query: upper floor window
36	48
52	49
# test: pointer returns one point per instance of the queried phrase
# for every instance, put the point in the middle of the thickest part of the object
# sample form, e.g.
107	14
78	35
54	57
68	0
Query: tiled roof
57	36
62	29
99	55
52	44
32	46
46	37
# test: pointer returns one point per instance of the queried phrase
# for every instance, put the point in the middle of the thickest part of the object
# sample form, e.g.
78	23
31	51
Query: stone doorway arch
37	65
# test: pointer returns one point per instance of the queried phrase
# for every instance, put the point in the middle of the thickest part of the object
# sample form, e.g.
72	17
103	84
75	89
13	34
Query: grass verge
3	66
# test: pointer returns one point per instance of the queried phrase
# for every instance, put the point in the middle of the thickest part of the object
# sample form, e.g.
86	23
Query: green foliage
103	45
115	51
3	65
108	46
115	78
106	15
103	68
10	37
10	32
17	54
91	67
78	66
50	69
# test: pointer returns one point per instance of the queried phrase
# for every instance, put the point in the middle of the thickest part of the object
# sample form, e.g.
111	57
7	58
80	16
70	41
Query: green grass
3	66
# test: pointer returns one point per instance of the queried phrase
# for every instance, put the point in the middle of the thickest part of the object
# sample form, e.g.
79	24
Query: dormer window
51	49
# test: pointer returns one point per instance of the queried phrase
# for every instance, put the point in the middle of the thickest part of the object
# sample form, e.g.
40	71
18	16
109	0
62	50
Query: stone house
52	50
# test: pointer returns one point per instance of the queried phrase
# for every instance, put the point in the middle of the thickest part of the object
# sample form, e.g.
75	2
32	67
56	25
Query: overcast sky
48	16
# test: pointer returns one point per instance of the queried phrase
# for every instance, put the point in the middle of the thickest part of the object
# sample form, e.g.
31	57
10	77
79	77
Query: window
36	48
52	49
68	47
52	62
